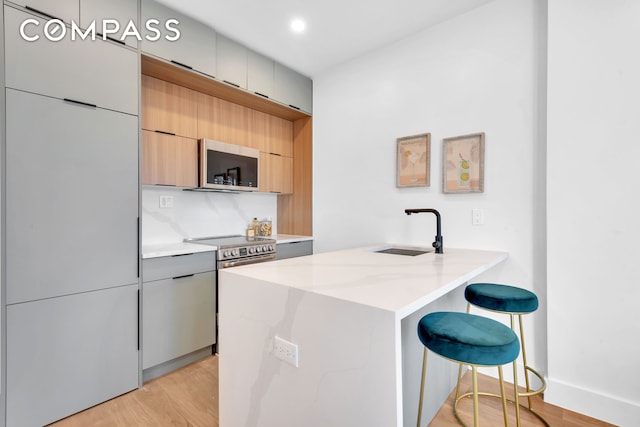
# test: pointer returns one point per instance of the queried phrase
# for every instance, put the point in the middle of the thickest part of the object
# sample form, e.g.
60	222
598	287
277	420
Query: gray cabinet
260	74
194	49
69	353
294	249
231	62
292	88
95	72
72	197
67	10
121	11
178	307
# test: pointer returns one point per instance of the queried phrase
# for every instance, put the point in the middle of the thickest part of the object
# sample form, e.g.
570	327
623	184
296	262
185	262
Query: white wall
201	214
477	72
593	176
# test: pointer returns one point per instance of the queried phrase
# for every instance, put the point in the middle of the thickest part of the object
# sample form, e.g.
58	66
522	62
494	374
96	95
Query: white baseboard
607	408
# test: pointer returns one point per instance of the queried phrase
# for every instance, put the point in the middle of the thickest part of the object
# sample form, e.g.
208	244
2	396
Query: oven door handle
254	260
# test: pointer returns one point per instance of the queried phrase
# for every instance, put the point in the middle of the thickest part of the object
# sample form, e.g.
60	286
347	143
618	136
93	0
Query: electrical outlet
166	201
285	350
477	216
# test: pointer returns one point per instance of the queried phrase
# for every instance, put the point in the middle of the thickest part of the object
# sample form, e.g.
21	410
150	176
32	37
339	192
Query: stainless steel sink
403	251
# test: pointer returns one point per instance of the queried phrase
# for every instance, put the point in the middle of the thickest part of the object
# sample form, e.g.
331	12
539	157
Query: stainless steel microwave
227	166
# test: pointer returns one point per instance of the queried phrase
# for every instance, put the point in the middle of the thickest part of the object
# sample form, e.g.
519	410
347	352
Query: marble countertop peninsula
396	283
351	318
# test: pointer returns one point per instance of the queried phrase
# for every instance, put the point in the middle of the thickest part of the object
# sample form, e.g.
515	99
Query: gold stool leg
504	398
515	381
524	361
424	373
476	416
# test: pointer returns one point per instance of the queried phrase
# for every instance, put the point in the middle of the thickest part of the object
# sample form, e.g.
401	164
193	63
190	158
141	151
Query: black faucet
438	242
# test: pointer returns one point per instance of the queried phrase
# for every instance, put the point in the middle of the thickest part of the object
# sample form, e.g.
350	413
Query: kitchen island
353	316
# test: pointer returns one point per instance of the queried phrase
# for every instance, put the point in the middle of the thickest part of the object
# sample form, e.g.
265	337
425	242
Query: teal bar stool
513	301
471	340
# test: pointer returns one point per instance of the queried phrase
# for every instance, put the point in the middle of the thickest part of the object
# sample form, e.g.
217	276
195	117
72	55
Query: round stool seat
503	298
468	338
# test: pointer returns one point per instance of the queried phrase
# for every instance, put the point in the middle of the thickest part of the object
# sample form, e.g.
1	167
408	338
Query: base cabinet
69	353
178	307
294	249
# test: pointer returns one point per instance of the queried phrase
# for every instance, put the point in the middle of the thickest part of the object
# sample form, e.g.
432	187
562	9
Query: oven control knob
271	248
259	249
225	254
251	250
234	252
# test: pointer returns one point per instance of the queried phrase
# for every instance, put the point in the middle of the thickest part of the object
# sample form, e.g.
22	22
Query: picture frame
463	164
413	161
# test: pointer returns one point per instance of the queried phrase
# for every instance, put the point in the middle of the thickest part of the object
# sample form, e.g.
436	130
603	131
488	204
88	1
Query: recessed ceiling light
298	25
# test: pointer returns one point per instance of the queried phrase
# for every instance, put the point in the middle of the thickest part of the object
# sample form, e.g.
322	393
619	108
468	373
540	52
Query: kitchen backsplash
200	214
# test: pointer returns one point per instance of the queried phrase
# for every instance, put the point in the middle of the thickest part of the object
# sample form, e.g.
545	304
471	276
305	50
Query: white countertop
173	248
180	248
401	284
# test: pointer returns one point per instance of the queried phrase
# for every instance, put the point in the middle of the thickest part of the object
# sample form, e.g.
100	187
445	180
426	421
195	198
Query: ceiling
337	30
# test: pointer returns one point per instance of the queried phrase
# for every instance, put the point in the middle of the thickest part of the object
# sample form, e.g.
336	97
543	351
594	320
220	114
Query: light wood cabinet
223	121
276	173
169	160
94	72
195	49
169	108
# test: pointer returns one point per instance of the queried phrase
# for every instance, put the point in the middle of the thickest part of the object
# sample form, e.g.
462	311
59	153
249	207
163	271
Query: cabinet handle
86	104
33	9
293	106
276	154
111	39
182	277
181	255
182	65
165	133
231	83
262	95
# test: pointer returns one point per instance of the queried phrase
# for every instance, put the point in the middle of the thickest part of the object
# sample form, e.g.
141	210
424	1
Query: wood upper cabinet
231	62
167	107
195	48
224	121
276	173
122	11
94	72
169	160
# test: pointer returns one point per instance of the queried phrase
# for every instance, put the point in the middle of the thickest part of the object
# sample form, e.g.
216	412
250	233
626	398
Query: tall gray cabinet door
72	198
95	72
69	353
196	46
120	10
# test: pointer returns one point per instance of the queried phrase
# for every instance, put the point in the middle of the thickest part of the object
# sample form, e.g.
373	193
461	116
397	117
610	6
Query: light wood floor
189	397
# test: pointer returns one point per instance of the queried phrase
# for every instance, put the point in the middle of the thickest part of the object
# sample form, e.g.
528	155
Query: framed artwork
463	164
413	160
